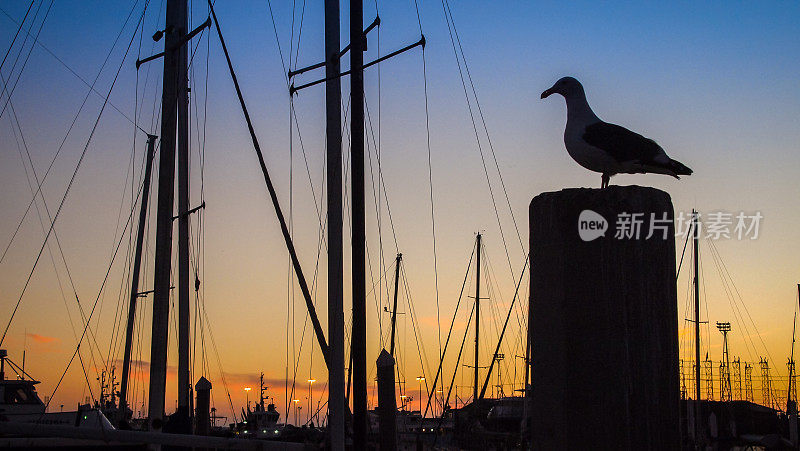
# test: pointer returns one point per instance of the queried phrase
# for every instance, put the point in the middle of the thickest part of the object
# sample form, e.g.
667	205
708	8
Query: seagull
608	148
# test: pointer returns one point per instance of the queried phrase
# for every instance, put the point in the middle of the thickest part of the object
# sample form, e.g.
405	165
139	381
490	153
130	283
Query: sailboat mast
333	137
791	359
791	364
394	303
477	315
695	242
176	21
137	265
184	383
359	334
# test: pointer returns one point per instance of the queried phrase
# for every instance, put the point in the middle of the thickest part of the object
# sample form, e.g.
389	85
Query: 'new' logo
591	225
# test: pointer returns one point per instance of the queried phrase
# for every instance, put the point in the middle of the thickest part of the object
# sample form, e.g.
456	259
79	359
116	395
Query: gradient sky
714	83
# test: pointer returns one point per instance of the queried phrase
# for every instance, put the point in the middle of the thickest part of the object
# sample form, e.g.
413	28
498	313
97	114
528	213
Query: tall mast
137	264
333	137
791	360
261	390
359	334
477	316
184	383
695	242
175	30
394	304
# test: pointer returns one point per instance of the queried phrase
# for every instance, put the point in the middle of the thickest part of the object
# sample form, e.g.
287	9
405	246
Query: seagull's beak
547	93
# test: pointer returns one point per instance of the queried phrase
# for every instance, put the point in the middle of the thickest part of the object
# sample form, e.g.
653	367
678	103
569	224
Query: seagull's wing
622	144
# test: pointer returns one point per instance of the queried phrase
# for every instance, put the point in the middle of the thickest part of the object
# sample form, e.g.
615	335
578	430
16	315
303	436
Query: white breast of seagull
579	116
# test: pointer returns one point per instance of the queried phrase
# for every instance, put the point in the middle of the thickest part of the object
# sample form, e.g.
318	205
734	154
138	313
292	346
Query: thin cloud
43	338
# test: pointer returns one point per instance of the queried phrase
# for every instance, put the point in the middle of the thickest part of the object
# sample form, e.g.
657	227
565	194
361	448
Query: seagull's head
566	86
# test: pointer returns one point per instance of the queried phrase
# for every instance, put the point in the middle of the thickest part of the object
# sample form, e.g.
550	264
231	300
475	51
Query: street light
295	401
310	397
419	393
247	395
403	402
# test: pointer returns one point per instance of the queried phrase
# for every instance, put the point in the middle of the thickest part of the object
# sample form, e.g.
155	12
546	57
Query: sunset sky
716	84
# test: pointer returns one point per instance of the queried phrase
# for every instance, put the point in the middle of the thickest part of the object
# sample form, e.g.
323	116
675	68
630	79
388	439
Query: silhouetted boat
19	402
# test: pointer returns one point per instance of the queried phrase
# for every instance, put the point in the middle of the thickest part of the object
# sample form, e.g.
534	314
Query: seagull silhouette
608	148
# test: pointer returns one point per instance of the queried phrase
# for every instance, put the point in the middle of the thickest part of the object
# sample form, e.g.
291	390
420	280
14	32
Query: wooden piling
387	406
202	408
604	320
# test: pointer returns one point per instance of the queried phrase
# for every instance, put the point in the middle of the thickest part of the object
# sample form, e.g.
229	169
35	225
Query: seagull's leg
604	180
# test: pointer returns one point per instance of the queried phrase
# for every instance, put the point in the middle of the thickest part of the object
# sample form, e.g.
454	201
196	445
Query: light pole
310	398
419	392
247	396
402	402
295	401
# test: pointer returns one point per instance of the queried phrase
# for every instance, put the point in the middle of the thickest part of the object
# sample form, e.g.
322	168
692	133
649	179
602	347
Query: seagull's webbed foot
604	181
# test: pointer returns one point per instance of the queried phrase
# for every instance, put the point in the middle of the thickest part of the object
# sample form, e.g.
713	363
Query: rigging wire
485	128
219	361
272	193
91	313
500	338
423	358
69	186
683	252
290	291
22	46
381	180
377	146
705	304
734	294
198	261
430	183
69	130
446	400
686	344
27	57
126	281
14	40
73	72
738	317
294	121
450	331
41	221
450	29
124	299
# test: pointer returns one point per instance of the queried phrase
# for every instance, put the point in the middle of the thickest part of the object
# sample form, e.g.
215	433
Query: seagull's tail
678	168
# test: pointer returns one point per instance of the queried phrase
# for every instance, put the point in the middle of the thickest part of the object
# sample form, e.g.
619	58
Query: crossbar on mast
344	51
421	42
